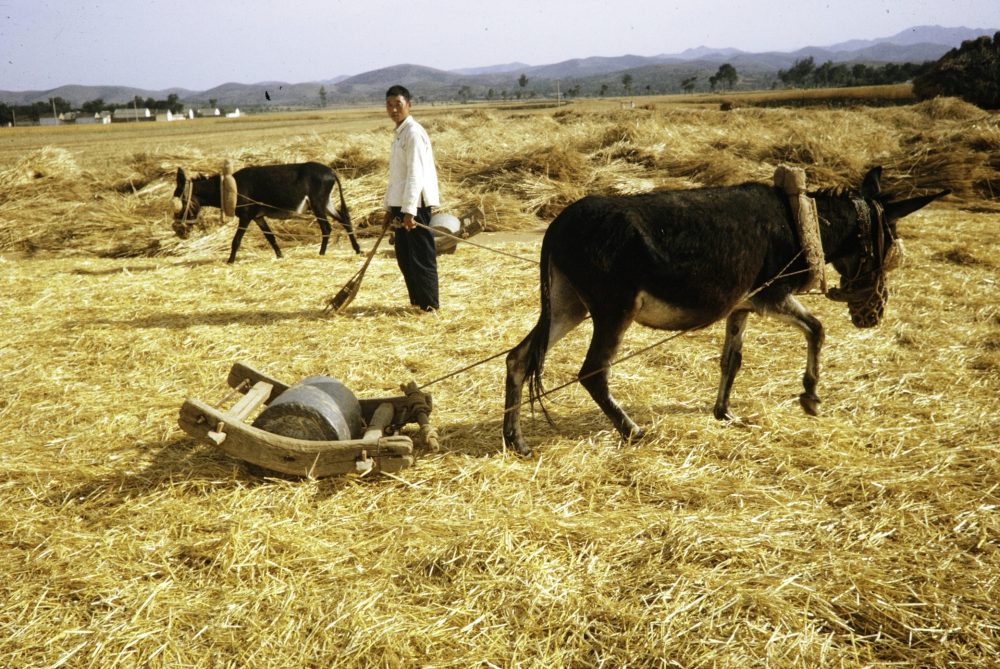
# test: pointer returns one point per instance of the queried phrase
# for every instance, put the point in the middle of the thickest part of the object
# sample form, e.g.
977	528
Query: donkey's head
878	250
186	205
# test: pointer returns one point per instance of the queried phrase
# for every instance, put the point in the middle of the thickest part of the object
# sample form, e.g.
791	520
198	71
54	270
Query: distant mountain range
585	76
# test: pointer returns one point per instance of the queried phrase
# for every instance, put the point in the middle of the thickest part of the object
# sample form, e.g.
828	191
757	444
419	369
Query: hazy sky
199	44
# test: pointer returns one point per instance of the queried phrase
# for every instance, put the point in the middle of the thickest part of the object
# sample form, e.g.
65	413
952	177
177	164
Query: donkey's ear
181	176
896	210
872	185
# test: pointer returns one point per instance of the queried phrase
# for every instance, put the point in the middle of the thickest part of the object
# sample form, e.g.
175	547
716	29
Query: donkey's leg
791	311
517	373
324	230
241	230
608	332
268	235
350	236
565	311
732	360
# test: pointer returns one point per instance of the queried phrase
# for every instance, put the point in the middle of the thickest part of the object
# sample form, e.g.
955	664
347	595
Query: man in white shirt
412	192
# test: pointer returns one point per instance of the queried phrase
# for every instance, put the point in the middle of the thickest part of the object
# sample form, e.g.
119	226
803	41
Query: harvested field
866	537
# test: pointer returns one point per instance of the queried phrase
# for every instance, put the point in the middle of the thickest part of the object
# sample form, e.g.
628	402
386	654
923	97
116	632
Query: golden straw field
868	536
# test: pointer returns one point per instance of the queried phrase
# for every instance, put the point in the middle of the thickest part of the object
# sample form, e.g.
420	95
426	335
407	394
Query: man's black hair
398	90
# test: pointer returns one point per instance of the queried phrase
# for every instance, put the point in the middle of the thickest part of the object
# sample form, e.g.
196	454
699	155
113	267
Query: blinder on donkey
682	260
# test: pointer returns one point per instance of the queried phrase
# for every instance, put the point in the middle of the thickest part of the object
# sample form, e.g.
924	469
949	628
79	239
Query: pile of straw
865	537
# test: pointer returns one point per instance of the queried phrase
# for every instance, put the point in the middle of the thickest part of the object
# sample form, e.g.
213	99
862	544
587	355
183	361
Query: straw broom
350	290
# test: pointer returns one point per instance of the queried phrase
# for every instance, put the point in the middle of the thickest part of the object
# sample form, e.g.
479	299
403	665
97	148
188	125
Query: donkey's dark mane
836	191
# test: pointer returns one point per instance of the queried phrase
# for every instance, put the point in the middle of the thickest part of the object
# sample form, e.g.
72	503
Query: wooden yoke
792	180
227	191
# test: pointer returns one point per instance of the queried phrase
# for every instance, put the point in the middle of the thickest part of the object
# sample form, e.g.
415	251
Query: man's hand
408	222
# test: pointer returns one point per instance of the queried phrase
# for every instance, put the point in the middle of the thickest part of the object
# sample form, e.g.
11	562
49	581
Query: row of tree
805	73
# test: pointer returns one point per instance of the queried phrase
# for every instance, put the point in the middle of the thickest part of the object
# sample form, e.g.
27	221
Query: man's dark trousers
416	256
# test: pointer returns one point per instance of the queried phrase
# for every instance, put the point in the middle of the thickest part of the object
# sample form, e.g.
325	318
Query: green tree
688	84
840	75
799	72
627	83
58	105
971	72
822	74
322	96
725	76
93	106
522	82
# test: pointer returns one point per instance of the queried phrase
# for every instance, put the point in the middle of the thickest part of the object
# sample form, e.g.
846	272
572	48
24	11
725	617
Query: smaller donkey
278	191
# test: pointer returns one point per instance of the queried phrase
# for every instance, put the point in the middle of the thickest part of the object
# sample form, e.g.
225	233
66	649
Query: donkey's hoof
634	435
723	413
810	404
519	446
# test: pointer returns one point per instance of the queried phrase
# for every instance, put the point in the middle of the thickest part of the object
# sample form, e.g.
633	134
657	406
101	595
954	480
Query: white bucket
446	223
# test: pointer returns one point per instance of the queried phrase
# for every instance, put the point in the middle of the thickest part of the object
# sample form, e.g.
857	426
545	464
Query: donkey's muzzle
866	303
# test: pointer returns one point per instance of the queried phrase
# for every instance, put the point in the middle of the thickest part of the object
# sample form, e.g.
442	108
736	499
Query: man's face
398	108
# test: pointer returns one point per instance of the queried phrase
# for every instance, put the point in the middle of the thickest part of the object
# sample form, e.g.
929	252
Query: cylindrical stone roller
318	408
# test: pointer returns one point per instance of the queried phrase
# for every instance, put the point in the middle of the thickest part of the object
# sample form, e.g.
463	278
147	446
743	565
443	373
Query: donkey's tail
343	207
343	215
539	337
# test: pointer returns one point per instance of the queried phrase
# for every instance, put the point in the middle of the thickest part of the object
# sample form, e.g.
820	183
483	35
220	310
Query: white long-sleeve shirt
412	175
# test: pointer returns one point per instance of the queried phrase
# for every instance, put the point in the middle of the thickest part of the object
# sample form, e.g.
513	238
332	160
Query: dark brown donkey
682	260
278	191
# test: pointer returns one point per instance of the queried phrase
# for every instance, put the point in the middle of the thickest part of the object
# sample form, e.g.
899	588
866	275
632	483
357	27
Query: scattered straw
865	537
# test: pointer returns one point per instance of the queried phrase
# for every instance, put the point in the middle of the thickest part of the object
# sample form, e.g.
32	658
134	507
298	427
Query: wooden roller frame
374	452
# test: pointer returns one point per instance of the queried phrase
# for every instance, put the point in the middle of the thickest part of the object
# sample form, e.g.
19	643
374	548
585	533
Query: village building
167	115
126	114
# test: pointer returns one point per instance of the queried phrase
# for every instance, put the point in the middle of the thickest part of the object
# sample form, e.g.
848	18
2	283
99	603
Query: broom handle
371	254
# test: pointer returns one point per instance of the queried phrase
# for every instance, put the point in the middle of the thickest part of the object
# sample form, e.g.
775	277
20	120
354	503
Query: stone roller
317	408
